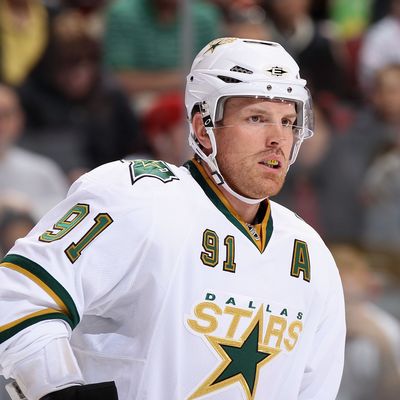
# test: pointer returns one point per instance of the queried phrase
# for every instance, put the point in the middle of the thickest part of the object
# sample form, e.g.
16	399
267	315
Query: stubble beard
249	183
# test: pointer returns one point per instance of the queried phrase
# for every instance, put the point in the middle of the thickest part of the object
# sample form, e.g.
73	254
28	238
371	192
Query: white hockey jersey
162	288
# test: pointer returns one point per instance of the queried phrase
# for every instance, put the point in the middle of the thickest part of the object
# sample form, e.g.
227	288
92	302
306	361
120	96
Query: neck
247	212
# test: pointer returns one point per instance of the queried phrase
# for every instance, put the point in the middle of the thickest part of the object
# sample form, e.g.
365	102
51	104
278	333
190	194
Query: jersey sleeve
72	263
324	367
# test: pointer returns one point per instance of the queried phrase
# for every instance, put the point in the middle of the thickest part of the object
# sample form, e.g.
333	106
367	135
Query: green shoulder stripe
50	285
9	330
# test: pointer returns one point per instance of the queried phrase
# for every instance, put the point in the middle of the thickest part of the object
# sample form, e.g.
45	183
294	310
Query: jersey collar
259	234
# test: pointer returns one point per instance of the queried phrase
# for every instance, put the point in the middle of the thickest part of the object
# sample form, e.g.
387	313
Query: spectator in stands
350	18
379	9
232	9
76	114
381	190
248	29
312	45
372	355
143	41
301	190
85	6
15	222
38	180
247	22
91	10
376	127
23	27
164	125
380	46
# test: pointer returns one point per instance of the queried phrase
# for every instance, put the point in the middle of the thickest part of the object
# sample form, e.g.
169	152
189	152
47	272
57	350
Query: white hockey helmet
233	67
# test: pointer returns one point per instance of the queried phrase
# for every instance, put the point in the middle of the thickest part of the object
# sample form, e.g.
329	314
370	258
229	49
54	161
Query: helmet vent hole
269	87
289	90
261	42
240	69
228	79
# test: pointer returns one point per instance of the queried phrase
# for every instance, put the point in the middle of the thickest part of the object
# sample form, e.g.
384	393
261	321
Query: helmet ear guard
194	142
205	114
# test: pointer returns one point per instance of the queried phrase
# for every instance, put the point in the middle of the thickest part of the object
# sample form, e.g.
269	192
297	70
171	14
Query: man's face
11	119
254	144
290	11
386	97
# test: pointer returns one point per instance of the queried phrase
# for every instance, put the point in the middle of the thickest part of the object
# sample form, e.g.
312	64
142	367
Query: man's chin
261	188
269	191
273	185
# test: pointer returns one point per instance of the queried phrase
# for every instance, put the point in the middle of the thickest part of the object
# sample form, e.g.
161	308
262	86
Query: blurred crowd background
84	82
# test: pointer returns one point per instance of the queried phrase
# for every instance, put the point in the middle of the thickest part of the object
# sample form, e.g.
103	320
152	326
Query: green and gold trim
264	229
67	310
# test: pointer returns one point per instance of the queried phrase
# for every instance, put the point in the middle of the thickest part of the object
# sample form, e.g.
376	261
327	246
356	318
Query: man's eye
255	118
287	123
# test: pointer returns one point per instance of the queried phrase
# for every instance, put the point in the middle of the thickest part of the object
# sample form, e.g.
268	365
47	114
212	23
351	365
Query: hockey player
151	281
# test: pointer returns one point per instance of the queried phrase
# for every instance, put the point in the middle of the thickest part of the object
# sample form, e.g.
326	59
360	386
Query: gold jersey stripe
27	317
40	283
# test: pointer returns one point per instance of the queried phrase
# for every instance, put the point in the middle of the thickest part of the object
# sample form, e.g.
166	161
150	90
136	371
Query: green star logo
151	169
241	360
218	42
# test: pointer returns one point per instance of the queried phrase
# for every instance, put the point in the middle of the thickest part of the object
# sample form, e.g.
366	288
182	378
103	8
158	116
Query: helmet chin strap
246	200
211	161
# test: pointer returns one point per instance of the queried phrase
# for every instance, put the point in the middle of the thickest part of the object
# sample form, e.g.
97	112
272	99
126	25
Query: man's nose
275	134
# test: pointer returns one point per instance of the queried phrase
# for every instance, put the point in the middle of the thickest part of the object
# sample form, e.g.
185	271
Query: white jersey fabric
161	287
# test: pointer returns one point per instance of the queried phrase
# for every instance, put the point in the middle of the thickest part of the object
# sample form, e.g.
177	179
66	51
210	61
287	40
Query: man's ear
201	133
